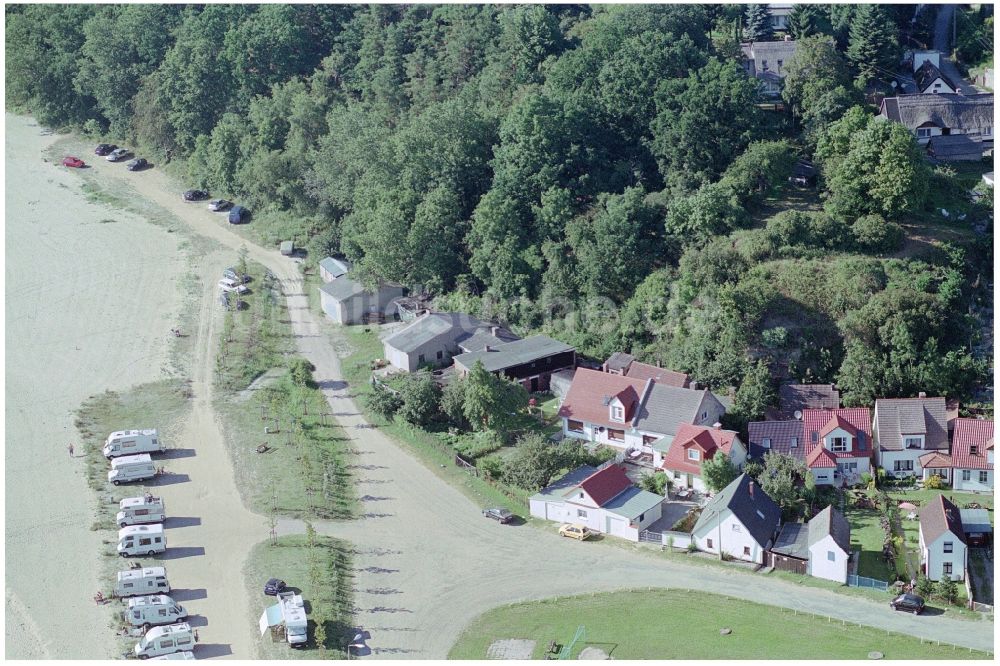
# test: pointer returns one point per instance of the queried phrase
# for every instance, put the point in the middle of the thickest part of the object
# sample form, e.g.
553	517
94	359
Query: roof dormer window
974	450
617	413
692	454
794	442
912	442
766	442
838	444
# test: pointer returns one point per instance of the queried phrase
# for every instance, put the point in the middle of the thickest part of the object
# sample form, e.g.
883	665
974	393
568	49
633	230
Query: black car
104	148
273	586
238	215
137	163
502	515
195	195
908	602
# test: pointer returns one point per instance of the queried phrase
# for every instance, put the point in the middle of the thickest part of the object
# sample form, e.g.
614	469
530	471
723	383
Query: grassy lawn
868	535
322	573
307	452
677	624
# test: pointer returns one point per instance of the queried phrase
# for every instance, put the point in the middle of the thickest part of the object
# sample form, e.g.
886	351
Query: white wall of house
331	307
434	352
823	475
853	468
934	556
827	560
906	457
735	539
594	517
680	480
738	454
924	134
974	482
928	472
938	86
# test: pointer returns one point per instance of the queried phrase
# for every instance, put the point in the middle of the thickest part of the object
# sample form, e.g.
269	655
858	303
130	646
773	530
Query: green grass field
322	573
676	624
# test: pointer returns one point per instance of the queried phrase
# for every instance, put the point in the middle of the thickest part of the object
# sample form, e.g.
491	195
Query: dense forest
604	174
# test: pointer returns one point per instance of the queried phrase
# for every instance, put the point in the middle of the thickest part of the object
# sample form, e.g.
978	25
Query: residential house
741	521
930	80
621	363
768	63
956	148
330	269
530	361
692	446
632	414
346	301
840	443
935	463
432	339
972	455
943	550
778	436
602	499
928	116
907	428
780	12
793	399
820	548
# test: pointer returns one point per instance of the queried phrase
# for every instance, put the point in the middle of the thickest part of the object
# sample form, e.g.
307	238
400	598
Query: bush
655	483
925	586
934	482
384	402
300	370
946	590
421	399
874	234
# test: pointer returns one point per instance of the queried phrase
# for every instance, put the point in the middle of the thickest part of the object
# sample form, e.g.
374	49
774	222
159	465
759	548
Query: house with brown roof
632	414
972	455
942	114
601	499
906	429
839	444
624	364
943	549
692	446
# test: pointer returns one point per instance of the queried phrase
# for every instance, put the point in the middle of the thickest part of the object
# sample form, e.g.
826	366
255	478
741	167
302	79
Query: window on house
974	450
617	413
815	436
949	546
966	475
642	517
794	442
692	454
902	466
838	444
677	474
946	569
984	476
580	495
616	435
580	513
766	442
913	442
763	65
780	63
988	131
923	132
574	426
440	354
831	556
708	542
746	550
648	439
704	415
736	527
420	359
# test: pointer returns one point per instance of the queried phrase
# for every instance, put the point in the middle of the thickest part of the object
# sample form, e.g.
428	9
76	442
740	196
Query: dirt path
426	561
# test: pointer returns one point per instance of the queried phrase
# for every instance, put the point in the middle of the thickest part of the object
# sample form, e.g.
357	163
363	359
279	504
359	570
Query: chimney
750	488
494	330
922	394
717	425
488	348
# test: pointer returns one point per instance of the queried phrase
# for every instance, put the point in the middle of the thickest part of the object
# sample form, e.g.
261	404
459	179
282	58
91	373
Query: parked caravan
135	582
151	610
140	510
175	655
131	442
165	640
141	540
290	611
131	468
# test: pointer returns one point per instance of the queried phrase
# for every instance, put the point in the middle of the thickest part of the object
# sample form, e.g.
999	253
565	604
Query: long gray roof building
944	110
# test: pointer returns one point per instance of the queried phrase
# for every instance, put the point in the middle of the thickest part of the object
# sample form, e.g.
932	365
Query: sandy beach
80	320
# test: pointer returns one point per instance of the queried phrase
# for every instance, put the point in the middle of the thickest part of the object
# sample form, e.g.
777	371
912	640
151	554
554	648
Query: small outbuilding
330	269
346	301
287	248
977	527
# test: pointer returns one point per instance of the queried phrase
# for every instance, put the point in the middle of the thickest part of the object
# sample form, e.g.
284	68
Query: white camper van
165	640
149	580
175	655
130	442
152	610
290	611
141	540
131	468
140	510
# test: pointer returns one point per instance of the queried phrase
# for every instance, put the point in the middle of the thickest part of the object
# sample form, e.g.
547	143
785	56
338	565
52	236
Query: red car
74	162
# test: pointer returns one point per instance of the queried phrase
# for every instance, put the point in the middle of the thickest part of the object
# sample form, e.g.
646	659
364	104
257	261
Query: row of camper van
166	635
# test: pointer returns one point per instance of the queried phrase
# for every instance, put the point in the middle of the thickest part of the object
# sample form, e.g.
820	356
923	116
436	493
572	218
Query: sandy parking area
88	304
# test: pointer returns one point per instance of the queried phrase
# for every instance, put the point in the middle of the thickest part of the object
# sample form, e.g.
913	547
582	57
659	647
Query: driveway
942	43
427	563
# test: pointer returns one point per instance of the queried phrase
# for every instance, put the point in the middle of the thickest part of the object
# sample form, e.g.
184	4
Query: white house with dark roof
931	81
820	548
768	63
741	521
943	114
907	428
601	499
432	339
972	455
943	550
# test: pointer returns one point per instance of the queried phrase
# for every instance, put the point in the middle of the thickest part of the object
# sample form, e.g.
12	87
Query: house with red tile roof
838	444
972	454
632	414
601	499
906	429
692	446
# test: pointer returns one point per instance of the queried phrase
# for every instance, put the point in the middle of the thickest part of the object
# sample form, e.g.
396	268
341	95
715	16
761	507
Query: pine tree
758	27
873	48
946	589
806	20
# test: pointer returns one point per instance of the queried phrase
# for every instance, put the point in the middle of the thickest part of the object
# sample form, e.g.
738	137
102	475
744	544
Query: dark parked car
104	148
273	586
195	195
239	215
908	602
502	515
137	163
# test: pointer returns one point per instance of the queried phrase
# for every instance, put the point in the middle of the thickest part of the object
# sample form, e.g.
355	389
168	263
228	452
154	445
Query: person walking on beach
70	449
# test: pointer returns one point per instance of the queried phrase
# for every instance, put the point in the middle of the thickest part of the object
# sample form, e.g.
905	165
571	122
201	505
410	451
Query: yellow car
575	531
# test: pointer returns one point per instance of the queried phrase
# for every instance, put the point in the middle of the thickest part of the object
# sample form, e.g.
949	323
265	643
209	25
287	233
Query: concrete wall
820	565
331	307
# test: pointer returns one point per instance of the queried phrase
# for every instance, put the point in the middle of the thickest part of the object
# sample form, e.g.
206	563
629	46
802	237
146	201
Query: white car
225	284
118	154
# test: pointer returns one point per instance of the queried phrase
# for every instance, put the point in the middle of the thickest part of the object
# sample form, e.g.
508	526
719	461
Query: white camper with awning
290	611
